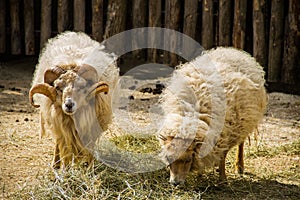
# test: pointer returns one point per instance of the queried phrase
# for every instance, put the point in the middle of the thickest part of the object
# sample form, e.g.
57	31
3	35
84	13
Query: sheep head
180	165
70	88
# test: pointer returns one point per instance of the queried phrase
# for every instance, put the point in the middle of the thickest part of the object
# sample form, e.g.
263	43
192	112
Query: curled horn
98	88
42	88
52	74
88	73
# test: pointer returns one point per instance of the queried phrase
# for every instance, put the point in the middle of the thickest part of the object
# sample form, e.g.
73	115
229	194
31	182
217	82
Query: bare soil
24	156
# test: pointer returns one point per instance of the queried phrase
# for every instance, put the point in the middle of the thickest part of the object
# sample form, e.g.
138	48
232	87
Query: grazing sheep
72	85
203	122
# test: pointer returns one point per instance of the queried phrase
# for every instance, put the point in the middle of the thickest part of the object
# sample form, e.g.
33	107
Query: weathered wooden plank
259	32
97	20
2	27
291	57
189	22
45	21
15	27
225	22
276	40
116	17
172	17
139	11
207	33
63	15
79	15
116	23
239	23
154	21
29	27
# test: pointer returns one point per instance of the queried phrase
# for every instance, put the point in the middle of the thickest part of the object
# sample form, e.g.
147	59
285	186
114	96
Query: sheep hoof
223	178
223	181
239	169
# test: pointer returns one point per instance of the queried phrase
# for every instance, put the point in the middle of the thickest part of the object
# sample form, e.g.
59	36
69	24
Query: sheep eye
57	88
168	160
81	87
89	83
188	160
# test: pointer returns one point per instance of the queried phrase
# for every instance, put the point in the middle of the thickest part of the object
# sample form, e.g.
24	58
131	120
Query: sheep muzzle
42	88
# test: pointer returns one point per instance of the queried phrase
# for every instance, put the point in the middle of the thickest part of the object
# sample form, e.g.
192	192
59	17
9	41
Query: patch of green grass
137	144
287	149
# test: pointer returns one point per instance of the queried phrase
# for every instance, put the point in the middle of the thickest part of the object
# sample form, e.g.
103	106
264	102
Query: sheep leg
42	127
56	157
239	164
222	172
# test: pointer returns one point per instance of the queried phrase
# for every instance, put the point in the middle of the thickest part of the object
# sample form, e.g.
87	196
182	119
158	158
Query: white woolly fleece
75	48
224	90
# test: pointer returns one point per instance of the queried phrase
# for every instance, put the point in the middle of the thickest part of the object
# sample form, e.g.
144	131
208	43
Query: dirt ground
24	157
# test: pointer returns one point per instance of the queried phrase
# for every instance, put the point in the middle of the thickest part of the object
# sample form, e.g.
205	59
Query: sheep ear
197	145
52	74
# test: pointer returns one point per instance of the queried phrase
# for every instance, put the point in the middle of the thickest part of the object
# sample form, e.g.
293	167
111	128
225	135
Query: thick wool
216	100
69	50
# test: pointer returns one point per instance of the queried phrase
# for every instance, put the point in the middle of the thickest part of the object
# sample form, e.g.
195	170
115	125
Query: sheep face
180	168
186	162
71	89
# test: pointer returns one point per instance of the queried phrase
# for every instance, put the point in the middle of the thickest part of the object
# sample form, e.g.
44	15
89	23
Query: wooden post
172	16
259	32
45	21
207	33
2	27
139	13
97	20
116	17
15	27
29	27
154	21
116	23
276	40
79	15
225	22
63	15
239	24
189	22
291	60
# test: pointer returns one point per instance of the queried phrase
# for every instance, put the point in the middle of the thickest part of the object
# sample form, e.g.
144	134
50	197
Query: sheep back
240	99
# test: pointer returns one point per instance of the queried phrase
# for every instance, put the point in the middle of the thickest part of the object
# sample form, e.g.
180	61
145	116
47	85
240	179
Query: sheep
221	91
73	84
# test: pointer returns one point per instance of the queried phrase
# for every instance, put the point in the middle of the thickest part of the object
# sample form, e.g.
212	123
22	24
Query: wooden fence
269	30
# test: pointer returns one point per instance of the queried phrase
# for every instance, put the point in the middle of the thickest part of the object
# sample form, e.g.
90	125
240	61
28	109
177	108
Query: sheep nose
175	183
69	105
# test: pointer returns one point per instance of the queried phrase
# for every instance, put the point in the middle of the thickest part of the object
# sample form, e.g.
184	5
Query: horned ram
73	84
